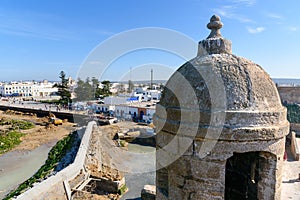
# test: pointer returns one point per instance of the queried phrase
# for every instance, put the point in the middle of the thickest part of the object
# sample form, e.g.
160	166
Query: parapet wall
41	190
289	94
294	147
72	117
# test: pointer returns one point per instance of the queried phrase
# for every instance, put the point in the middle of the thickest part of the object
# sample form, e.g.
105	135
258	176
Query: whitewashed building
138	112
27	89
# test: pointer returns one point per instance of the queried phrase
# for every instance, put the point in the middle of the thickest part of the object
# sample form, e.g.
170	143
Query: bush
9	140
15	124
293	113
23	125
54	101
122	190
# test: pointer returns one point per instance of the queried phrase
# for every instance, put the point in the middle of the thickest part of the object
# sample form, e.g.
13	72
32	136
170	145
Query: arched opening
242	176
251	175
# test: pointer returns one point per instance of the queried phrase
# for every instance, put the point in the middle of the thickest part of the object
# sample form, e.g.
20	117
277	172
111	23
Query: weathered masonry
221	128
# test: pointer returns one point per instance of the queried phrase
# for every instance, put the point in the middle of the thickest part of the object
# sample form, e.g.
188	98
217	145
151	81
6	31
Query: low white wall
68	173
294	147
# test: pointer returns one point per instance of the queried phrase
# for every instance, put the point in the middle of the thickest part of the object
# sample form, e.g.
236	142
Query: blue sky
41	38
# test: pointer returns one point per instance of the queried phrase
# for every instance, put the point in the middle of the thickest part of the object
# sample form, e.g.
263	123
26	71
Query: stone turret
221	128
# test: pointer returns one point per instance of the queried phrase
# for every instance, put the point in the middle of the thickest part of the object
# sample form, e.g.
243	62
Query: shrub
9	140
293	113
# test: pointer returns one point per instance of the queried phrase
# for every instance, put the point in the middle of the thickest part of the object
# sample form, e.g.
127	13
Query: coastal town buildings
27	89
138	106
34	89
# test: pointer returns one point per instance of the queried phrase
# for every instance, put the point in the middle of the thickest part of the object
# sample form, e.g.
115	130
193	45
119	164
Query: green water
16	167
136	148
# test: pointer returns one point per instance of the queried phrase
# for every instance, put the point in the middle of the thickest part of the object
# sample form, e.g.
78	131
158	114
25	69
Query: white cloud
31	24
225	11
274	16
256	30
293	28
230	12
245	2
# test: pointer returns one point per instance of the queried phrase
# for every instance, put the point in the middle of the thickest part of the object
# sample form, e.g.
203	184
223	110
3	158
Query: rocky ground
107	159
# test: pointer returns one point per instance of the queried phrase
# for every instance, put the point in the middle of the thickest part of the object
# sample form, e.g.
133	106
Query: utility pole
130	83
151	83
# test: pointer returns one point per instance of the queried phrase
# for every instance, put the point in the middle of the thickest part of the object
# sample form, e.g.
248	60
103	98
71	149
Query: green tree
84	90
63	89
130	86
96	89
105	90
161	86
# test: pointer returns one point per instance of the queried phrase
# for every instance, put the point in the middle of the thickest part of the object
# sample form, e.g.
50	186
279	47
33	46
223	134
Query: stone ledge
148	192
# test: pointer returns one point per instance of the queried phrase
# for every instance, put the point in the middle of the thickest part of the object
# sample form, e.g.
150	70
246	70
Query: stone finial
214	43
215	25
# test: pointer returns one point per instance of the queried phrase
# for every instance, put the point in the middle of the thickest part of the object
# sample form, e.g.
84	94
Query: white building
44	89
155	94
27	89
137	111
146	95
112	100
16	89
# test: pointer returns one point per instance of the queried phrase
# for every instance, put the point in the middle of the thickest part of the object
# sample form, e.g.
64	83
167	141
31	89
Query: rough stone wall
266	186
191	177
294	146
289	94
295	127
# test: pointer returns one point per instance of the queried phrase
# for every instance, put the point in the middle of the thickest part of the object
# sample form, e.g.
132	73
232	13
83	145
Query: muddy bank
18	166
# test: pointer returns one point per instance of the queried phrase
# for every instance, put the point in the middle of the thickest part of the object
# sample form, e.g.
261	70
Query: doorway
242	176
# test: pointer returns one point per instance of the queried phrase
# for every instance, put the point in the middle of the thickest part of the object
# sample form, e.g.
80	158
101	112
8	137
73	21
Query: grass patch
123	143
122	190
53	101
54	156
10	136
9	140
17	124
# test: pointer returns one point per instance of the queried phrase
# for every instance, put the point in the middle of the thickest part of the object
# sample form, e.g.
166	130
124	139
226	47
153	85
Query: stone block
148	192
